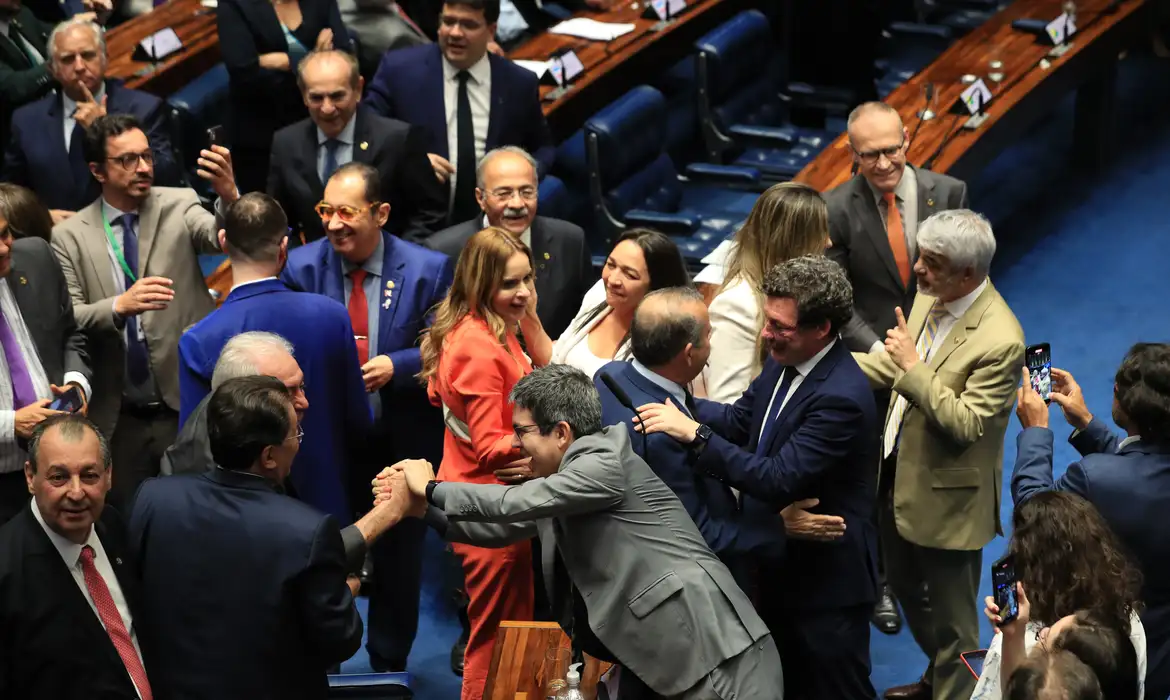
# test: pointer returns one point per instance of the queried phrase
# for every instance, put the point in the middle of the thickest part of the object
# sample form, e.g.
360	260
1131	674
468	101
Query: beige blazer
173	228
950	454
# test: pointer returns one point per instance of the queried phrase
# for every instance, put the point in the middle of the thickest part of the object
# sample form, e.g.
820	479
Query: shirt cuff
119	319
7	427
79	379
878	346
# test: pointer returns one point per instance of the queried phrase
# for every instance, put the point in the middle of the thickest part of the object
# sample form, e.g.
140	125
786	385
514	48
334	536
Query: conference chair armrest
753	136
935	32
370	685
664	222
714	174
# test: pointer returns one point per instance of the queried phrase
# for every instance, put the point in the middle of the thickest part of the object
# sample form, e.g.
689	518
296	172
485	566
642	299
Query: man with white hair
45	152
953	366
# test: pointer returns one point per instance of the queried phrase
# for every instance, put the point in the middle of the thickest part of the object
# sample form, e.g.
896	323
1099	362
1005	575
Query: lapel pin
364	145
118	561
547	256
388	293
386	304
930	202
389	284
23	279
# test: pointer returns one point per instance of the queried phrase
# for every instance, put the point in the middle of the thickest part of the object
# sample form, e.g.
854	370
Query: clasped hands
405	482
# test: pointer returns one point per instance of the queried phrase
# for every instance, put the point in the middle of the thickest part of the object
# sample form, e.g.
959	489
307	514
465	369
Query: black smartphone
215	136
1039	359
70	401
1003	584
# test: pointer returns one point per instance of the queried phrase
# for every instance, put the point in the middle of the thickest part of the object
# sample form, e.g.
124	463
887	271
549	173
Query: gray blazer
656	595
860	246
173	228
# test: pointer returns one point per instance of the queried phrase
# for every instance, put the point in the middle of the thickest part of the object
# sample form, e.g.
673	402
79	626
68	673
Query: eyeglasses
504	194
300	436
522	430
871	157
129	161
343	211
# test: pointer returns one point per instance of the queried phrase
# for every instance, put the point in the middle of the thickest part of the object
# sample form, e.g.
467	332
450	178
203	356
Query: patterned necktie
137	354
112	621
23	391
331	164
898	412
359	315
897	237
773	416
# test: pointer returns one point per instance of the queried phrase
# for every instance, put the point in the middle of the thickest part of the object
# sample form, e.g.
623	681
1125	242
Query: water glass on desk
554	670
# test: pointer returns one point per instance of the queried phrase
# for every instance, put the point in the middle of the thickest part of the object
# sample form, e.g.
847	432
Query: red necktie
897	236
112	620
359	315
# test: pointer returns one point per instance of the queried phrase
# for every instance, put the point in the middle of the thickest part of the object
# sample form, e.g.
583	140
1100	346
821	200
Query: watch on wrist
702	434
431	491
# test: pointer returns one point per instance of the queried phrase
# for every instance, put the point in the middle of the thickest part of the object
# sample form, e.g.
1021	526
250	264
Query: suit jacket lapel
148	218
542	257
22	284
364	142
308	157
93	237
926	205
435	105
804	392
871	222
768	378
332	269
958	334
12	51
495	122
392	290
548	560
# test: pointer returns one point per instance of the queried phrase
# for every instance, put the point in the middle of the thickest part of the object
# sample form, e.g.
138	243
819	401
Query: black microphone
927	113
624	399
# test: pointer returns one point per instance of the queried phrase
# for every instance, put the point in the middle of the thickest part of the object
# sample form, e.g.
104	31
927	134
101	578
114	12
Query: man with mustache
507	190
131	265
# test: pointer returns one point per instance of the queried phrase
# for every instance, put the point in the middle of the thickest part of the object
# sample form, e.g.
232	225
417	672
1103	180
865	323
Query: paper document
591	29
537	67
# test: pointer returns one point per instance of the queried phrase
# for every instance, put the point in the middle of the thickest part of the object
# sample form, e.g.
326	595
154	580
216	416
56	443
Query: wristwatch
431	491
702	435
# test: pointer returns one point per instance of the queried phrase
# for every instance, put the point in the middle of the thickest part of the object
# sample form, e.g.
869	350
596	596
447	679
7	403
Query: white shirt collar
69	105
807	366
245	284
676	390
960	306
111	212
70	551
525	235
346	135
480	72
1127	442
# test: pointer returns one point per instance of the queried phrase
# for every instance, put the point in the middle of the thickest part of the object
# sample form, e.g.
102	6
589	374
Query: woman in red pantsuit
471	359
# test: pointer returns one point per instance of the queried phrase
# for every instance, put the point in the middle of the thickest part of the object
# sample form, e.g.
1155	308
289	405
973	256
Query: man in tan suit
131	265
953	367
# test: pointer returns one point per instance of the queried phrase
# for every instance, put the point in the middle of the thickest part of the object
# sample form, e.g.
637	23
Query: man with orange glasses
389	287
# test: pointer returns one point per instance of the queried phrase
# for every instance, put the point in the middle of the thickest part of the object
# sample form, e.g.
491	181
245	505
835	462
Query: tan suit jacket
173	228
950	454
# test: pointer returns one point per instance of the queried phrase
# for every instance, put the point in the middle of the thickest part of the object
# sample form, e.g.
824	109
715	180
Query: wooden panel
1026	92
196	28
220	281
517	669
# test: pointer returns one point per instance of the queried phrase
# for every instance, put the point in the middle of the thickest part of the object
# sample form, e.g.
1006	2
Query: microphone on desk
927	113
624	399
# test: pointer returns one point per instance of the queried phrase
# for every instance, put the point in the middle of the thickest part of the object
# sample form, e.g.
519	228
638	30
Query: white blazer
735	329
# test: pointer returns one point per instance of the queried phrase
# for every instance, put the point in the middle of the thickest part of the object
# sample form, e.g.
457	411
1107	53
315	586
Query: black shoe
918	690
457	653
366	575
380	666
886	617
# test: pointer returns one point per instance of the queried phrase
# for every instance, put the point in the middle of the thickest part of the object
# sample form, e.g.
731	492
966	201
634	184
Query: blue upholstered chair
371	686
195	107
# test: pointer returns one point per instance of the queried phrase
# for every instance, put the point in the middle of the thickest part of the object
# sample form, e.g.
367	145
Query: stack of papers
537	67
591	29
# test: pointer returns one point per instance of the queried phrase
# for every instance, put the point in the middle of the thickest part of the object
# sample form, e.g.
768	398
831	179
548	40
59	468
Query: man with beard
131	265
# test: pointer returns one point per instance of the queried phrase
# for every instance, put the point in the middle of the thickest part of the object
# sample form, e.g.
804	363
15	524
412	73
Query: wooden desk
517	670
196	28
613	68
1026	93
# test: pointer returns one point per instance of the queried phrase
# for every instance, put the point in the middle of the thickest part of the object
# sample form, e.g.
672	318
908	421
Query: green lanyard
118	250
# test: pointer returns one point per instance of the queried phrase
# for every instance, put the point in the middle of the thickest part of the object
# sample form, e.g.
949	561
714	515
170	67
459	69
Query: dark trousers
140	439
393	615
13	494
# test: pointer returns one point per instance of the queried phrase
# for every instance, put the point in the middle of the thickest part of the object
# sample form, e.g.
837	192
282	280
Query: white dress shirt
802	371
344	149
71	553
678	393
69	106
479	93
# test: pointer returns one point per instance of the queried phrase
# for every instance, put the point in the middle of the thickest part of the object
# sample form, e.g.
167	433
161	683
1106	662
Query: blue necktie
773	417
330	165
137	356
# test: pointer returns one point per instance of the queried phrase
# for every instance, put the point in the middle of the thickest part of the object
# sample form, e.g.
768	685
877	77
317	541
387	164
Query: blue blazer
330	468
826	446
36	157
421	278
244	586
1131	489
729	532
409	86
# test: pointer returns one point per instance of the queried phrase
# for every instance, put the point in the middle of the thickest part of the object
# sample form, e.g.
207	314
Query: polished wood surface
195	26
613	68
1028	90
220	282
518	662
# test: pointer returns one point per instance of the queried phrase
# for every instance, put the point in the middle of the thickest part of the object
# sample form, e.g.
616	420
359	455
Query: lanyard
118	250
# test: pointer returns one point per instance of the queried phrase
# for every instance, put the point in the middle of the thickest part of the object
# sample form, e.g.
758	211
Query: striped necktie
898	412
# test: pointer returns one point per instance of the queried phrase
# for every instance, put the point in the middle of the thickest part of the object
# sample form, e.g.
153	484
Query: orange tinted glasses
345	212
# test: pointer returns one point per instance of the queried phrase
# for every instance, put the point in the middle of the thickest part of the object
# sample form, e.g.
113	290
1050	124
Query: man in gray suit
507	189
873	223
642	589
131	264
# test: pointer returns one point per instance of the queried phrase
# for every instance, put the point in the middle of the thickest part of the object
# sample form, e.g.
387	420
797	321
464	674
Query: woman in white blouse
641	262
787	221
1073	573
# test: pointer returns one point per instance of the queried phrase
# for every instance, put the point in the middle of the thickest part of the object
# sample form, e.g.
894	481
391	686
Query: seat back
371	686
680	87
200	104
554	198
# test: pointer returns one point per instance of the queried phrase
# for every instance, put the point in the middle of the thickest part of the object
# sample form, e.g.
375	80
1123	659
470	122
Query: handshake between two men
401	489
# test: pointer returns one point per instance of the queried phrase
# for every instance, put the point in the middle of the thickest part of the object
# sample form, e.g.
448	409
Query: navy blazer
729	531
420	279
244	586
1131	489
409	86
825	446
36	157
329	470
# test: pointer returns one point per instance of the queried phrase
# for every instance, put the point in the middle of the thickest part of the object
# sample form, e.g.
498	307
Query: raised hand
900	345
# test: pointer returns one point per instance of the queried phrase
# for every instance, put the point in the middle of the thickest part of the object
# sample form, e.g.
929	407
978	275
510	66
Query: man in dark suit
1127	480
44	351
46	152
670	341
339	131
67	585
806	427
265	606
331	473
389	287
24	74
468	101
507	191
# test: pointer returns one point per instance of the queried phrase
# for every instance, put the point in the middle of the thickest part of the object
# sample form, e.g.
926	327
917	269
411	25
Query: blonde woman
471	358
787	221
